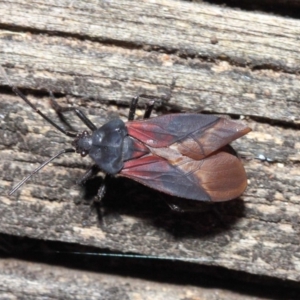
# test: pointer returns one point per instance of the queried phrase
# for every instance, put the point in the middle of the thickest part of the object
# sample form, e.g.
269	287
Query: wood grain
53	282
103	53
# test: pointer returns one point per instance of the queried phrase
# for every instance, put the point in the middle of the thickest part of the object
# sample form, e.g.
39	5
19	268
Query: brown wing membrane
221	174
218	177
193	135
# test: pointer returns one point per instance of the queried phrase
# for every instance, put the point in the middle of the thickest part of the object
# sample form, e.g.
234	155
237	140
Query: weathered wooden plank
258	226
188	30
64	66
269	6
223	60
40	281
191	29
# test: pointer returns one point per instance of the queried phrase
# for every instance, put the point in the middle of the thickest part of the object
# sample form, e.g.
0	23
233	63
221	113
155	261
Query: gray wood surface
103	53
53	282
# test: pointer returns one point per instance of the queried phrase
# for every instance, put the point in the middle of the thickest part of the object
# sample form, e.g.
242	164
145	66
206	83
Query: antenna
21	95
39	168
61	129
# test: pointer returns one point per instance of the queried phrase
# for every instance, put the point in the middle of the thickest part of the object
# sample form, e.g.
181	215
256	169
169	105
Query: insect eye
83	153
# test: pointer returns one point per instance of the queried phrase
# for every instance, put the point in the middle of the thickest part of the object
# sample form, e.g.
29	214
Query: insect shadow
186	218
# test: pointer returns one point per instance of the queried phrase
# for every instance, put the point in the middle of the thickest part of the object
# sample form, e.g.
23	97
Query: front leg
91	172
102	189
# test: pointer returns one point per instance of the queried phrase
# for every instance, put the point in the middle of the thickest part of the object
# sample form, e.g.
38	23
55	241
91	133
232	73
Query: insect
185	155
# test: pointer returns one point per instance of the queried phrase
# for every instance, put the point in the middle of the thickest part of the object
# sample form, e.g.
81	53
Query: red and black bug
185	155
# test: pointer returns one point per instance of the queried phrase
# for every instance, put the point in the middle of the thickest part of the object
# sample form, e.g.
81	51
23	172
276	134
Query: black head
83	143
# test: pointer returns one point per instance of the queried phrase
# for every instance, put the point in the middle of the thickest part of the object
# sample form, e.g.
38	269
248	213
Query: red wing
193	135
219	177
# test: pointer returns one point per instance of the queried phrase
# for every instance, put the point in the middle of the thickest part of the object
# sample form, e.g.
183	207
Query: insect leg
61	109
22	96
149	108
150	105
92	171
61	129
97	201
133	105
102	189
132	108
